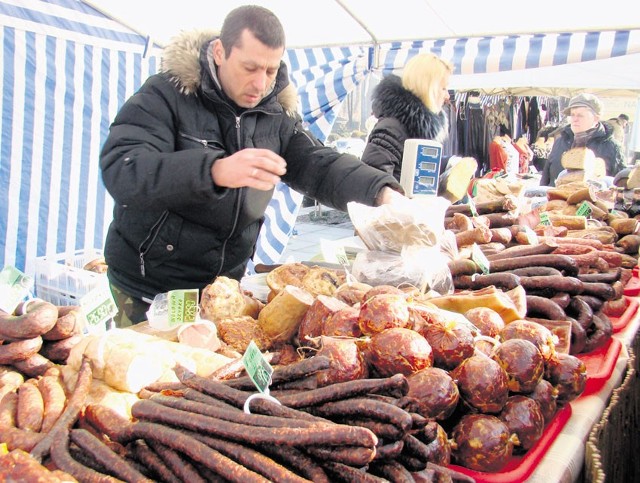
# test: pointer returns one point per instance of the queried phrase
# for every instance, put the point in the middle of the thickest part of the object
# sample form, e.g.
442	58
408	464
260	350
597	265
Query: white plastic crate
61	280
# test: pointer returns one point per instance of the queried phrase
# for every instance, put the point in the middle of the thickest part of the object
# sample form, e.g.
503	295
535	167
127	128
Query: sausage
389	451
69	416
603	291
384	431
342	472
367	409
480	235
299	461
66	325
117	465
54	399
552	284
34	366
578	337
150	459
503	280
19	350
609	276
523	250
395	385
544	307
561	262
37	317
580	310
321	435
30	410
536	271
179	465
59	350
232	415
288	373
594	302
8	410
252	459
614	259
21	439
501	235
600	333
63	461
560	240
562	299
392	471
462	266
584	255
194	449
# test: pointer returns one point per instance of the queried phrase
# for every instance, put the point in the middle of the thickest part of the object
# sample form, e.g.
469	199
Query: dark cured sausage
321	435
251	459
40	317
233	415
63	460
184	469
503	280
149	458
552	284
194	449
544	307
300	462
560	262
19	350
117	465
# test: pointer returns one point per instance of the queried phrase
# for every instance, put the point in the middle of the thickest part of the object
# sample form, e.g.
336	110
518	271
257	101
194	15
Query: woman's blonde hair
423	75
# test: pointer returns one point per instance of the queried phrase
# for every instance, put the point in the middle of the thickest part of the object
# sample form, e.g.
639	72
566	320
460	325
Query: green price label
98	307
480	259
584	209
257	367
544	219
14	286
472	207
183	306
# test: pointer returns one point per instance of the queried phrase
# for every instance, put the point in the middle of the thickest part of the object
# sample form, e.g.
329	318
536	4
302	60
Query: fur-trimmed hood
181	60
391	99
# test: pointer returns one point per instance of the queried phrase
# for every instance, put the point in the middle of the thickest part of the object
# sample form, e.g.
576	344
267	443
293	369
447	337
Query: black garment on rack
533	119
473	135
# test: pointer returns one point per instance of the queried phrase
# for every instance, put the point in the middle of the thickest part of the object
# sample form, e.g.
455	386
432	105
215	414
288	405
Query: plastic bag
405	222
425	268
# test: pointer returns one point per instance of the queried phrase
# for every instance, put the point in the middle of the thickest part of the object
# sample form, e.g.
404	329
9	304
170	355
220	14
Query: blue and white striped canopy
67	69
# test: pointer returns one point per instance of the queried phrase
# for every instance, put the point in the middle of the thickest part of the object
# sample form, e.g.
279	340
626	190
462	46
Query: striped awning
479	55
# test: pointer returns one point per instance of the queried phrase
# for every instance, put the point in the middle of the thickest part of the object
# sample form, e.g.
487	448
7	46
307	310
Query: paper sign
15	286
480	258
257	367
98	307
182	306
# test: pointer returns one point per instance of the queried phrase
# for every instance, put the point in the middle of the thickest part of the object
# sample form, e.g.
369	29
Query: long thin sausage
193	448
70	414
150	459
54	399
30	411
321	435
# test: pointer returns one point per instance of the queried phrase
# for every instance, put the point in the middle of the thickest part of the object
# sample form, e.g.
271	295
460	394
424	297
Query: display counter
567	459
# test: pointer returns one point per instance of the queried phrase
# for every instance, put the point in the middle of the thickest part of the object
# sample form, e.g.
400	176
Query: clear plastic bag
405	222
425	268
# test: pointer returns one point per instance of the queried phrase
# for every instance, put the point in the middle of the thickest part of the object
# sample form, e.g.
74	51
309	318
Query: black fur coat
401	115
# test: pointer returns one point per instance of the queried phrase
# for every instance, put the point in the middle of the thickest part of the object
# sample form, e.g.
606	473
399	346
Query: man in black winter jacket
192	158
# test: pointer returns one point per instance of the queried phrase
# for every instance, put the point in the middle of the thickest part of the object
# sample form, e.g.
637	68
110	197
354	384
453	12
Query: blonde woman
408	107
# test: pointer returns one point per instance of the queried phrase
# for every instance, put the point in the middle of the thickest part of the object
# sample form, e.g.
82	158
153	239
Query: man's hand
254	168
387	195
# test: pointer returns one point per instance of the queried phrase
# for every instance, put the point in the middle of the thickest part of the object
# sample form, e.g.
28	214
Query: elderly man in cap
584	130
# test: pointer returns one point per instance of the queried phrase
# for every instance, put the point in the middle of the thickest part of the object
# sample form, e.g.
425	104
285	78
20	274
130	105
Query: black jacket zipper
147	243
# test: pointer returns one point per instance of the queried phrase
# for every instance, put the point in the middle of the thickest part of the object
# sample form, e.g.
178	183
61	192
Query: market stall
358	355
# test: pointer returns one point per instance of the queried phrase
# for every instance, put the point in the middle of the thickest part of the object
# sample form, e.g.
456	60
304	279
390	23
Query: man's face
582	119
248	73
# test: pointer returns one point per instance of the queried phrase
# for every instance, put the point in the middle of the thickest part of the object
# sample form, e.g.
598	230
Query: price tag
472	207
257	367
182	306
480	259
14	287
544	219
584	209
98	307
532	238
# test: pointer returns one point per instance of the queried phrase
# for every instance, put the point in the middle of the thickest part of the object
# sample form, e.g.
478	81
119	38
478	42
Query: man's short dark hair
261	22
623	117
